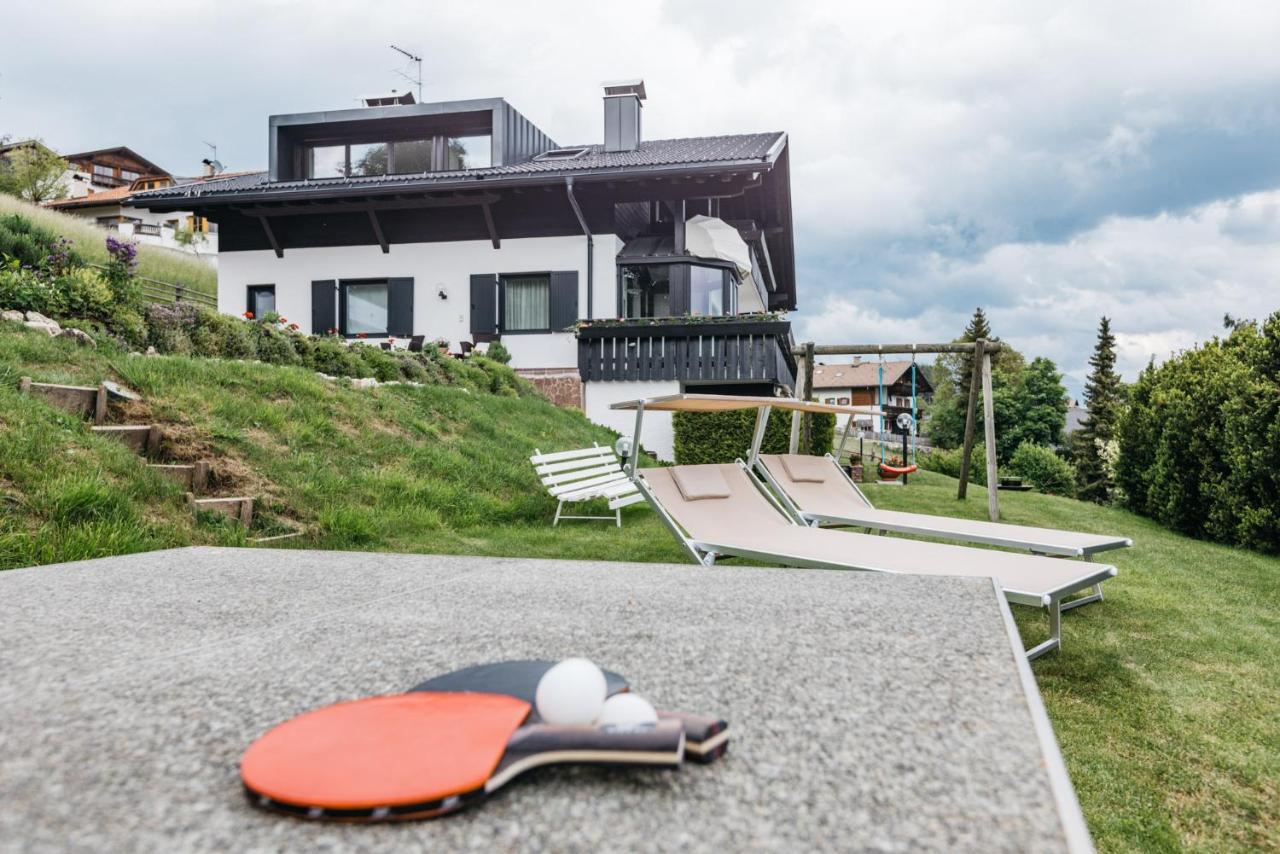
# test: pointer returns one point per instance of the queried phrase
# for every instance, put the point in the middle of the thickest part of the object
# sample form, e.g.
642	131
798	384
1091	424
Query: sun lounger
585	474
819	492
721	510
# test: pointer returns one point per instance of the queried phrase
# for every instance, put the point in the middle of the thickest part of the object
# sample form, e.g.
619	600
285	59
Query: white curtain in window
528	303
367	309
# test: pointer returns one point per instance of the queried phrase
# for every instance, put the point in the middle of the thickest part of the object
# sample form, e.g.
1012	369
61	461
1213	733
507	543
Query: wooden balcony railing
745	351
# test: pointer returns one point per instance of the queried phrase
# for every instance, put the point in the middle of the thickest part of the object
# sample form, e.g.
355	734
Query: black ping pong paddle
706	738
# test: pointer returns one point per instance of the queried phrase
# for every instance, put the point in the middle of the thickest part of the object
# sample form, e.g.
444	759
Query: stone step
84	401
141	437
194	477
233	508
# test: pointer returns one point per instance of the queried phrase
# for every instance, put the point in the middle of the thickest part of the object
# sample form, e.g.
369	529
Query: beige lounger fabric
746	521
805	469
697	483
834	499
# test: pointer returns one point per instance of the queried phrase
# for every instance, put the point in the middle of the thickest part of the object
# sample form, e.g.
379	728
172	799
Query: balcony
721	351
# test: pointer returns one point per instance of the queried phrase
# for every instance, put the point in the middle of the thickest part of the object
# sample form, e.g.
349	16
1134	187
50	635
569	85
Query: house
73	182
861	383
112	177
464	220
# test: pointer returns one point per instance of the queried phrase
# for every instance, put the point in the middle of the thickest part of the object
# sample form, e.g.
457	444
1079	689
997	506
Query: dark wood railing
154	290
747	351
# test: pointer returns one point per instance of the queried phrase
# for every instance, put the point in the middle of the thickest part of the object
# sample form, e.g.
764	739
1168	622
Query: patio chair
415	343
720	510
586	474
818	491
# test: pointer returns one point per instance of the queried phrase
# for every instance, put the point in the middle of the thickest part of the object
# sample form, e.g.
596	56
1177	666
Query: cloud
1050	162
1164	281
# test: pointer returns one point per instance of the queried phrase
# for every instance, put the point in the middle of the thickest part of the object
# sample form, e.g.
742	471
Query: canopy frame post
971	412
631	466
757	437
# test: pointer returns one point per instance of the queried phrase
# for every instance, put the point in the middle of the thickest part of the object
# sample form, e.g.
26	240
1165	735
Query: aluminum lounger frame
705	552
810	517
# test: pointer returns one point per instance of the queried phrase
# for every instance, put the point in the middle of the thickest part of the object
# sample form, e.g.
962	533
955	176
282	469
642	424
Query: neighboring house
1076	414
108	169
464	221
862	383
181	231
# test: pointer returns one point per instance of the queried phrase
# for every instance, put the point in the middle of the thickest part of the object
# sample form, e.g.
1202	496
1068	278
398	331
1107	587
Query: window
129	174
326	161
409	156
706	291
467	152
364	308
561	154
526	304
844	401
370	159
646	290
262	299
100	169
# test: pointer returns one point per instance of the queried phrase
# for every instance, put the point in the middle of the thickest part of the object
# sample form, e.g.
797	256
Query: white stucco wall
656	432
432	266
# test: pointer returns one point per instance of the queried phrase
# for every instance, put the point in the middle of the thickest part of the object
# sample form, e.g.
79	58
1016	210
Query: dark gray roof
702	151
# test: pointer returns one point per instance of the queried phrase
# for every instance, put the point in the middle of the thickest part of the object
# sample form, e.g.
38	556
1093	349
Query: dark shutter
564	300
484	306
400	307
324	299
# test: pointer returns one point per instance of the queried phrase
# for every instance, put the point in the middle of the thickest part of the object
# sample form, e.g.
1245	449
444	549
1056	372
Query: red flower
282	320
248	315
333	331
295	327
362	335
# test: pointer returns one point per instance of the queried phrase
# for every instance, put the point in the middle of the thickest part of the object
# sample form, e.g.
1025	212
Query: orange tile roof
101	197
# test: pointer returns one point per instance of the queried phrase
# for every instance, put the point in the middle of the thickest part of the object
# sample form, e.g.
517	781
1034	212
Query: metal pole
989	416
970	416
631	466
757	438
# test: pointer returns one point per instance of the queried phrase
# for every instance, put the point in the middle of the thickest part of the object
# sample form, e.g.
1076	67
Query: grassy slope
154	262
1164	698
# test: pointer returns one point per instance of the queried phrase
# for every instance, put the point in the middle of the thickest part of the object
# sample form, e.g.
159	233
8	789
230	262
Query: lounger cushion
700	482
804	469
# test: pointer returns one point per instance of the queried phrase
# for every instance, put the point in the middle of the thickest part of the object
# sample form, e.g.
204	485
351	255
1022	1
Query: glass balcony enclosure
677	289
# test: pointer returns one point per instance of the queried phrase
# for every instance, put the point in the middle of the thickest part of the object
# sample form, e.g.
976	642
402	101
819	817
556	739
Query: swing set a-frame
981	350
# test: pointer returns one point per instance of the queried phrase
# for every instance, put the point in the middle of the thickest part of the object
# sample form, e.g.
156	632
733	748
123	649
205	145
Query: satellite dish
905	421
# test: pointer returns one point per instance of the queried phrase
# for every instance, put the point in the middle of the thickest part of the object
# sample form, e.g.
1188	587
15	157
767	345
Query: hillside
1163	696
89	241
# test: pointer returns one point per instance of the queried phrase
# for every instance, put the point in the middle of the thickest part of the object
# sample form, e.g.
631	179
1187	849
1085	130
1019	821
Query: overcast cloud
1051	164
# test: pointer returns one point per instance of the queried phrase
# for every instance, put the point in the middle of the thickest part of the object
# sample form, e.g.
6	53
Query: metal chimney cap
625	87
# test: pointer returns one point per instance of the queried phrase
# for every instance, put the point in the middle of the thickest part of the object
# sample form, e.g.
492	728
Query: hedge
722	437
947	461
1199	445
1039	466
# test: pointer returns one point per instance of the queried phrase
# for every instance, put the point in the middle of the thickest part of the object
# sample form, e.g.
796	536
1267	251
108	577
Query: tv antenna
214	149
412	58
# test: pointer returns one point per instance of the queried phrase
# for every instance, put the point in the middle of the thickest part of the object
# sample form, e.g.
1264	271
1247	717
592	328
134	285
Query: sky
1049	162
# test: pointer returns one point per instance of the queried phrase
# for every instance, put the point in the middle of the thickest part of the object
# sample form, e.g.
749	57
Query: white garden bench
585	475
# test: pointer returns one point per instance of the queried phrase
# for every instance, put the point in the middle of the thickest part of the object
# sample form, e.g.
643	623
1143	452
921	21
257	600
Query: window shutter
564	300
400	307
324	300
484	306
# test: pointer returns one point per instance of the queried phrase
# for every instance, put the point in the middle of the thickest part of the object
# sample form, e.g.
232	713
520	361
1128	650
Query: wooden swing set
981	350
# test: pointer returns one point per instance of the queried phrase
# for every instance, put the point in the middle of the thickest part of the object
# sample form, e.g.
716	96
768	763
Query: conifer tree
978	328
1102	396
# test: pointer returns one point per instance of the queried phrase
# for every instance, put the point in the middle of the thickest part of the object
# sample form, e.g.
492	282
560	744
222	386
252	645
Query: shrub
23	289
722	437
330	356
947	461
1043	469
499	353
275	346
87	295
1199	445
32	244
379	363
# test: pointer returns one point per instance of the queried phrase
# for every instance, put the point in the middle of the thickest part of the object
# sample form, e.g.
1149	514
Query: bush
330	356
275	346
499	353
947	461
33	245
1043	469
1199	445
722	437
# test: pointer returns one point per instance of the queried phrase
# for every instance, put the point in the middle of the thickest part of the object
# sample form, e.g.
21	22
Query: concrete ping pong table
131	686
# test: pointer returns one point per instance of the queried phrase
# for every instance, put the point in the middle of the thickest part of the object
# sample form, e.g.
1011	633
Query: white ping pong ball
627	710
571	693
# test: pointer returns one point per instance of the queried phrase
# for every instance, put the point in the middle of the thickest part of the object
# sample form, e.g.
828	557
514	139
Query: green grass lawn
154	262
1165	698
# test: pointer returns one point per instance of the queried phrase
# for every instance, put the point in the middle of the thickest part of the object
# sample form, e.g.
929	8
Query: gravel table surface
869	712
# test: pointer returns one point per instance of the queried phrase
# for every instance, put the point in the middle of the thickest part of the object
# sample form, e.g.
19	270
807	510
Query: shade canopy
726	402
711	237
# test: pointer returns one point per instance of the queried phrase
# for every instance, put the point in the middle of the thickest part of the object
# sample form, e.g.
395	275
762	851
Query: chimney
207	169
622	114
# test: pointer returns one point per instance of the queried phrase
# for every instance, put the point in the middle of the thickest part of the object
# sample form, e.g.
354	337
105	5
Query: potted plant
443	345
